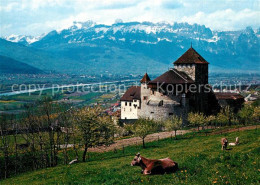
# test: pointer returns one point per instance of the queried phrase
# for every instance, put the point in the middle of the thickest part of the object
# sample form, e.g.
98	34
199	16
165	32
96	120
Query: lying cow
236	143
224	143
154	166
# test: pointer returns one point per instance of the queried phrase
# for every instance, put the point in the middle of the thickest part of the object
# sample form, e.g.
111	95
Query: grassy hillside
200	159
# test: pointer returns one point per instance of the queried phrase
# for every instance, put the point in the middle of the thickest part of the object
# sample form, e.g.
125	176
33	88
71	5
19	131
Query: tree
229	113
142	127
245	114
209	120
95	128
5	143
65	120
256	114
196	119
47	110
174	123
222	118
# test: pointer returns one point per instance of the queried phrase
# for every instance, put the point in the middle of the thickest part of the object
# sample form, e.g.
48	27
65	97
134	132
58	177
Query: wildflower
216	172
227	182
254	162
181	171
141	180
185	171
214	182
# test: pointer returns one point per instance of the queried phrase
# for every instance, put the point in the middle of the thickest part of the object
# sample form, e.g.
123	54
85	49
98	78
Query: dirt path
136	141
235	129
153	137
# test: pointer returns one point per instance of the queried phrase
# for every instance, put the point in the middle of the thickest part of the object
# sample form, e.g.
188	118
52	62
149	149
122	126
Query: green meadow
200	159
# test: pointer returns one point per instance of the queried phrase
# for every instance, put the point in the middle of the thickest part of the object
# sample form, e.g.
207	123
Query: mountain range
133	47
11	66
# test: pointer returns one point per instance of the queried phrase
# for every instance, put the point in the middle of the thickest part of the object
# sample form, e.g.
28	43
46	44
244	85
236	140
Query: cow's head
136	161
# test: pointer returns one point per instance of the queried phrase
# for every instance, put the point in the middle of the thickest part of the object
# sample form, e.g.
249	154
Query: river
60	87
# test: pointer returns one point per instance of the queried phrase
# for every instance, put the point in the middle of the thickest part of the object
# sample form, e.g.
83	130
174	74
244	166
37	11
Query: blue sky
34	17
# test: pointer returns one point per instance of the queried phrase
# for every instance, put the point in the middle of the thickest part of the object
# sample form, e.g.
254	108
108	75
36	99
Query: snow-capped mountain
141	32
23	39
133	45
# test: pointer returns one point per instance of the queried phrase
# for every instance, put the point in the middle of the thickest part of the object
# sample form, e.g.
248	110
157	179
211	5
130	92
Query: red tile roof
191	56
226	96
172	76
132	93
145	79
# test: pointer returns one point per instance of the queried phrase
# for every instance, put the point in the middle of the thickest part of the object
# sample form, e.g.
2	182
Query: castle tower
194	65
145	91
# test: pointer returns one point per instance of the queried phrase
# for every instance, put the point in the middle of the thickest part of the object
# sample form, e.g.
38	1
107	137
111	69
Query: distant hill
11	66
134	47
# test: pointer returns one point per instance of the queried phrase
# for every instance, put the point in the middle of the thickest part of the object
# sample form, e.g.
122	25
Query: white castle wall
129	109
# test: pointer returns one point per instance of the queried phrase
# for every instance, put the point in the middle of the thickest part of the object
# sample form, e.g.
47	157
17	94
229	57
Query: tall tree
47	108
245	114
173	123
142	127
94	127
5	143
256	115
196	119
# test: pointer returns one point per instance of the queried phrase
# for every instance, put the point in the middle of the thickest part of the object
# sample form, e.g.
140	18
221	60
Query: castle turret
145	79
145	91
194	65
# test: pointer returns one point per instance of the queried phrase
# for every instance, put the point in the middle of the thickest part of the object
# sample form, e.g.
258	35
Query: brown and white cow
154	166
224	143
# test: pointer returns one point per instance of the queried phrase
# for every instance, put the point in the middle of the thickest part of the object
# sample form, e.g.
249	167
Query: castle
178	91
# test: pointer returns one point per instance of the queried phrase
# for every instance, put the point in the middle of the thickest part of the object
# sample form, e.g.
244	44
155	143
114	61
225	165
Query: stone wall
197	72
161	107
189	69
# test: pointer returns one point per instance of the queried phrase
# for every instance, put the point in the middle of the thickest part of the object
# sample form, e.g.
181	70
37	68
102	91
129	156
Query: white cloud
225	19
9	7
37	16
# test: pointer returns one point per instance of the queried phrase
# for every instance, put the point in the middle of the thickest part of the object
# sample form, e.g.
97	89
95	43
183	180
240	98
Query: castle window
125	103
170	114
130	104
145	97
134	100
152	112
